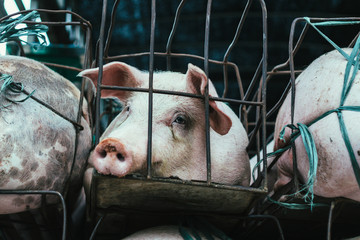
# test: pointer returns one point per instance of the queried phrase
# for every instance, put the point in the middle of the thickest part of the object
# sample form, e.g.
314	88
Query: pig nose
111	149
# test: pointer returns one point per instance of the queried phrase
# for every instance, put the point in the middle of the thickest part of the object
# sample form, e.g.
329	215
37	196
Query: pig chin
115	169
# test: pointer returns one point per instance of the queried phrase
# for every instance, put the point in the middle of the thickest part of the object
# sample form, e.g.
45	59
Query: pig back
38	145
318	90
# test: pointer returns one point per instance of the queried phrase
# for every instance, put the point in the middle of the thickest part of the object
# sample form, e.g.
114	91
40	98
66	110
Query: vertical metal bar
99	81
264	74
232	44
172	33
331	211
293	92
206	69
151	76
88	55
93	233
111	28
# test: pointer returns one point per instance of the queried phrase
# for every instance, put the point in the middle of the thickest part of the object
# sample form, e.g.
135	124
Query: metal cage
210	198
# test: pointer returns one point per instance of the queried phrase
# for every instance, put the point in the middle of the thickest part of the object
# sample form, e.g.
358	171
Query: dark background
131	35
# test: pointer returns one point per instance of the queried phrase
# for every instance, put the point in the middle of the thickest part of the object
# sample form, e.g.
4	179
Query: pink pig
178	128
318	90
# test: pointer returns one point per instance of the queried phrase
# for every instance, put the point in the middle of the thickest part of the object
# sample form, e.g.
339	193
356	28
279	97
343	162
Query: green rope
10	30
11	87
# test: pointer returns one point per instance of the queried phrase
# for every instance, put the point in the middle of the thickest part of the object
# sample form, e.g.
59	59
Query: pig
178	148
318	90
37	145
167	232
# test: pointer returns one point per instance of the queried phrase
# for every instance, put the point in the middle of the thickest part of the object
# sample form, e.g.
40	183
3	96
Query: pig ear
195	83
114	74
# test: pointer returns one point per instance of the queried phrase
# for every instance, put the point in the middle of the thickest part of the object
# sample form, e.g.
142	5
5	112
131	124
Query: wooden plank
170	195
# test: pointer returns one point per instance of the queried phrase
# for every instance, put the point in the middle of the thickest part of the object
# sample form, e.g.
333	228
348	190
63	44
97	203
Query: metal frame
257	136
261	71
43	193
87	28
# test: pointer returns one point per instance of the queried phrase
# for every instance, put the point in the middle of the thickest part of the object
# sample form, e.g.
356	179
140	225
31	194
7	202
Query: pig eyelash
180	119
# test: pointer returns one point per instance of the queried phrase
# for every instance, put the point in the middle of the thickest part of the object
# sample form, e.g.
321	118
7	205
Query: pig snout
111	157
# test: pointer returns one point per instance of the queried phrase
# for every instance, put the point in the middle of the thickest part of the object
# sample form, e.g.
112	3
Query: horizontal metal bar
113	58
105	87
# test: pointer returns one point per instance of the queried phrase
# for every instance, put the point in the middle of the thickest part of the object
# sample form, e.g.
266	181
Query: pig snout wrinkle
111	150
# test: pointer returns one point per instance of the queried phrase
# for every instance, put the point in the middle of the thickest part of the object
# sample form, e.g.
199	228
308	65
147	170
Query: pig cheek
177	143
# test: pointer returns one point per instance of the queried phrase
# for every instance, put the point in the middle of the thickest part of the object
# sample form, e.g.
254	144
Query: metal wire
43	192
169	54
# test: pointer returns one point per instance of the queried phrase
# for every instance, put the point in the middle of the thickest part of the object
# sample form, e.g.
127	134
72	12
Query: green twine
9	86
9	32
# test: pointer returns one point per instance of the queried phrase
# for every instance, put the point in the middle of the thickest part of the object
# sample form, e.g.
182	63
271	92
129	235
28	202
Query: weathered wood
170	195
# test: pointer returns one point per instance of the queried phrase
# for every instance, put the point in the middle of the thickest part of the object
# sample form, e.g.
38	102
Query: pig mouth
155	166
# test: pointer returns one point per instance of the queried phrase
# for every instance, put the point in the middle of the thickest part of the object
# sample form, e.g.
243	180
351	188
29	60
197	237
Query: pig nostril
120	157
102	154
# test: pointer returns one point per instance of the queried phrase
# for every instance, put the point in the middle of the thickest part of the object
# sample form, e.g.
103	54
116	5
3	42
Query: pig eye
180	120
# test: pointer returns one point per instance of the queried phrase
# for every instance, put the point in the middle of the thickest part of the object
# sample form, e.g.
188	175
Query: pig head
318	90
178	128
37	145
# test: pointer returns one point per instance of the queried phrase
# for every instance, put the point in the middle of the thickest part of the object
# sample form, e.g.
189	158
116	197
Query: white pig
166	232
318	90
178	128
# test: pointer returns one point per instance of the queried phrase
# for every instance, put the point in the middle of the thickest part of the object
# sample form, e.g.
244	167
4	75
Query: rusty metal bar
185	94
151	89
172	34
111	28
293	92
206	94
231	46
99	80
263	93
